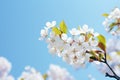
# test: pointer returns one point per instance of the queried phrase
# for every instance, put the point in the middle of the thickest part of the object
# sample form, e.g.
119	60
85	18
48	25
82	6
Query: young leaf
102	42
118	52
100	57
63	27
105	15
45	76
79	27
22	79
56	30
102	46
111	26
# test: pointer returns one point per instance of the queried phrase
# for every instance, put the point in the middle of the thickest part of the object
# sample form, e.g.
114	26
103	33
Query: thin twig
114	74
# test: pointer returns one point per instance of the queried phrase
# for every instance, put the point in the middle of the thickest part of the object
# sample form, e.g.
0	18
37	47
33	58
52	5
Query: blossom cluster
112	22
5	68
57	73
72	47
54	72
30	74
113	51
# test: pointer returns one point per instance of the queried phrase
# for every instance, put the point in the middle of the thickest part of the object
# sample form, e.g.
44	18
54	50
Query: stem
114	74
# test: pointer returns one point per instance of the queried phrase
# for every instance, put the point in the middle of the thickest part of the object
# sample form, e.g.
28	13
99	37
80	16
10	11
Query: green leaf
79	27
63	27
56	30
100	57
102	46
22	79
45	76
118	53
102	42
105	15
111	26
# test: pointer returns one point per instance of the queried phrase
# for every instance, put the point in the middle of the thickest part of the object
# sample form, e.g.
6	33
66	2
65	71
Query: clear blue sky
21	21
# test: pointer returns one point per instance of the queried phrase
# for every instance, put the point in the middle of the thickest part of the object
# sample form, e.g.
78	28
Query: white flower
94	43
84	29
113	45
106	22
80	39
74	31
31	74
52	50
57	73
7	78
64	37
73	49
113	17
69	40
50	24
115	14
75	55
5	66
43	33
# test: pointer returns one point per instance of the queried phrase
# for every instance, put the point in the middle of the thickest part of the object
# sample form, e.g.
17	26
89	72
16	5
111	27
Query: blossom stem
114	74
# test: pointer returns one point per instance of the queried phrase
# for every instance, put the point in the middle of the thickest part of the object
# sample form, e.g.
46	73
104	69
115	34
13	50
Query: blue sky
22	20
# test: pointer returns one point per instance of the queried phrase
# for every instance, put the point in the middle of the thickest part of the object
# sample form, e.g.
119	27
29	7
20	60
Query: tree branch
114	74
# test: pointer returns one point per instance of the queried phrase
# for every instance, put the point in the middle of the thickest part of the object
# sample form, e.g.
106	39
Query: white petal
69	40
64	37
53	23
85	27
48	24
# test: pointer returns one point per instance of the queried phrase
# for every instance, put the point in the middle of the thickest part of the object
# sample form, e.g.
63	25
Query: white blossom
5	68
50	24
30	74
113	45
64	37
84	29
57	73
69	40
8	77
113	21
115	14
43	33
73	48
74	31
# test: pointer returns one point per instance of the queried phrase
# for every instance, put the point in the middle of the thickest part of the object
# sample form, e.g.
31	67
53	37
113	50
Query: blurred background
22	20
